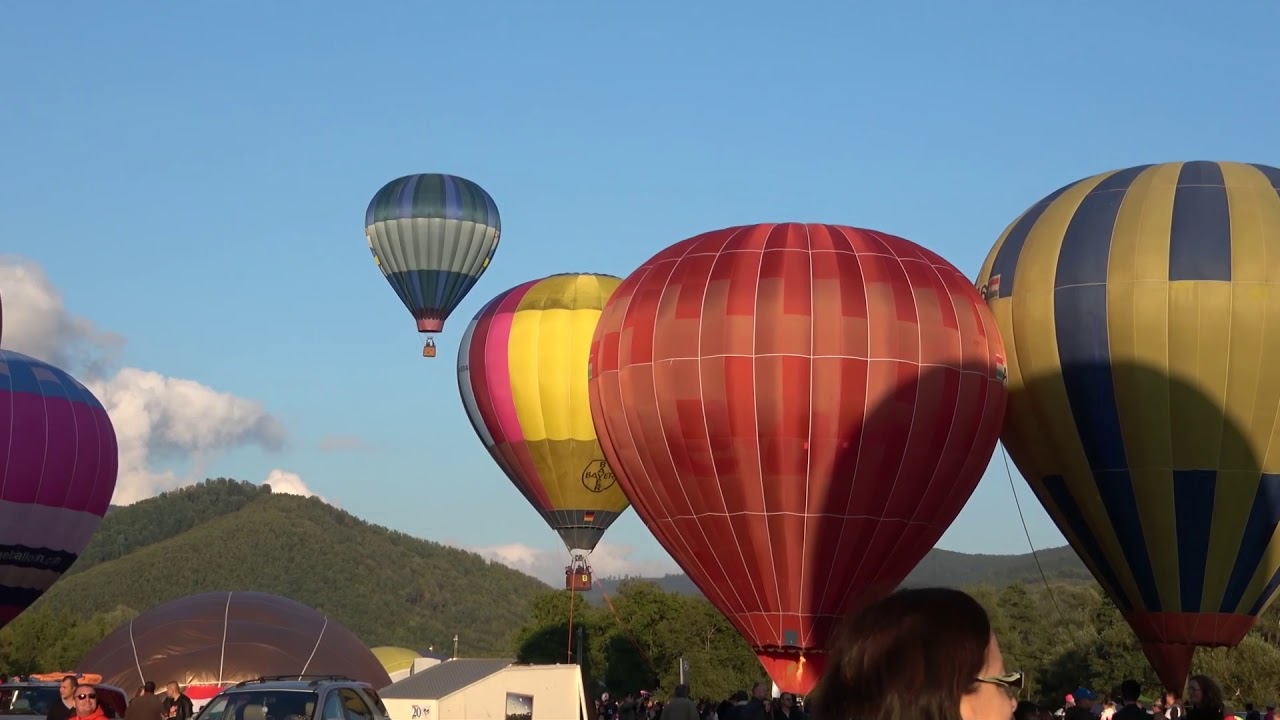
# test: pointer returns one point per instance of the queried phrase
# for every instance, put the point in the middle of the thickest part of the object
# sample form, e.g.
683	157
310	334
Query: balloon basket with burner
429	350
577	576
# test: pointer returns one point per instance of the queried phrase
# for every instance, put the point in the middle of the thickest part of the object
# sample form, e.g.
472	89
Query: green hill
387	587
172	513
961	570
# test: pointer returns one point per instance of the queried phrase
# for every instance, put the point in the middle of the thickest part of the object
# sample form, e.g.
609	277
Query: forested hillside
387	587
167	515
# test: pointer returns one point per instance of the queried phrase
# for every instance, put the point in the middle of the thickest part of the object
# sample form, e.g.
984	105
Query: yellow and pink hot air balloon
522	374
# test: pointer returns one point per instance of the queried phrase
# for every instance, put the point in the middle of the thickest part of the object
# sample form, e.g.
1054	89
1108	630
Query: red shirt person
87	708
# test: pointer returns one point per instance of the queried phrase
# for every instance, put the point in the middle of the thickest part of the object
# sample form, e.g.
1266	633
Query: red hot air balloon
59	459
797	413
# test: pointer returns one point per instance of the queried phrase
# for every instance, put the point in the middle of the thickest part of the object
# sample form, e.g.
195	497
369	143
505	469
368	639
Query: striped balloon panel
522	375
432	236
59	460
1139	309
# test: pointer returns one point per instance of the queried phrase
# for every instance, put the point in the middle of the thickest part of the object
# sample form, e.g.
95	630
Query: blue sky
195	179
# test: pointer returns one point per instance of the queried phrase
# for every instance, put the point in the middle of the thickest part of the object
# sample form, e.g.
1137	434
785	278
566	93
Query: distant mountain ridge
229	535
939	567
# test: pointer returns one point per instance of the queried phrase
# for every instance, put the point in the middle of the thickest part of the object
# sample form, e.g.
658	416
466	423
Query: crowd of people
1204	702
741	706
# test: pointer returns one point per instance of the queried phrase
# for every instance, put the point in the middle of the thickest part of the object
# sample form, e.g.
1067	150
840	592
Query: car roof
52	684
294	685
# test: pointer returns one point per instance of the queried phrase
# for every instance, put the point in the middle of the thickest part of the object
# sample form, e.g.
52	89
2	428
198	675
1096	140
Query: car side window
377	701
215	710
356	707
333	708
116	699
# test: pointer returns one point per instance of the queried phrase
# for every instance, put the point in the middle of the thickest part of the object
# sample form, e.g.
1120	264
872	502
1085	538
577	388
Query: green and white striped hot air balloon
433	236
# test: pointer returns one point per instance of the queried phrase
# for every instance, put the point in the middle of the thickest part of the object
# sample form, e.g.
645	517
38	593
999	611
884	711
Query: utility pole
580	646
455	647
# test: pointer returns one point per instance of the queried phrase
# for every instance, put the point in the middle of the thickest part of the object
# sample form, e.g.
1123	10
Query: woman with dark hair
1204	696
922	654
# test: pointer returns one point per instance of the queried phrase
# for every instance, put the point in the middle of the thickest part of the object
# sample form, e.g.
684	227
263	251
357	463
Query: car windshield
261	705
30	700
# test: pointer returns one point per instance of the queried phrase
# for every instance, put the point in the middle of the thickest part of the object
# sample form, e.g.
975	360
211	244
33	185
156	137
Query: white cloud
548	565
289	483
37	324
158	419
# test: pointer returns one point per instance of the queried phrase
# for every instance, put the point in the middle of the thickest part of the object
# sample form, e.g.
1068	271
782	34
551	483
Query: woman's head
1203	691
926	653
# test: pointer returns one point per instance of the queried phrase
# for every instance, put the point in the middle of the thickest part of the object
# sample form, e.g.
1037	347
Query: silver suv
296	697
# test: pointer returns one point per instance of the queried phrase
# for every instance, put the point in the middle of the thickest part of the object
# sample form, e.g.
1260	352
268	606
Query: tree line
1062	636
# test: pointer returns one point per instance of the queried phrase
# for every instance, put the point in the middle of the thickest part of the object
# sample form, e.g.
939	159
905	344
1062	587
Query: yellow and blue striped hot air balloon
522	374
1139	309
433	236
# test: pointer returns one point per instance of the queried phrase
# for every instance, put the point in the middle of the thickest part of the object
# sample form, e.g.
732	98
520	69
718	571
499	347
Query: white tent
488	689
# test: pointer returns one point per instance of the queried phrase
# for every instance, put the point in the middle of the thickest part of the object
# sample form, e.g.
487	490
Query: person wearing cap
1083	707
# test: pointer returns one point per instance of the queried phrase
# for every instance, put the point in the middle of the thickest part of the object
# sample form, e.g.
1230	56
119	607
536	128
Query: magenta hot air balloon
58	459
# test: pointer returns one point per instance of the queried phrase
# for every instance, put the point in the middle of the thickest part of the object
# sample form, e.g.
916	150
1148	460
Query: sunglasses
1011	682
87	696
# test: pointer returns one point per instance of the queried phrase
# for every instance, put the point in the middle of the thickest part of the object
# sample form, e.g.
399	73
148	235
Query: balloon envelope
522	374
220	638
1137	307
395	659
797	413
432	236
59	458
